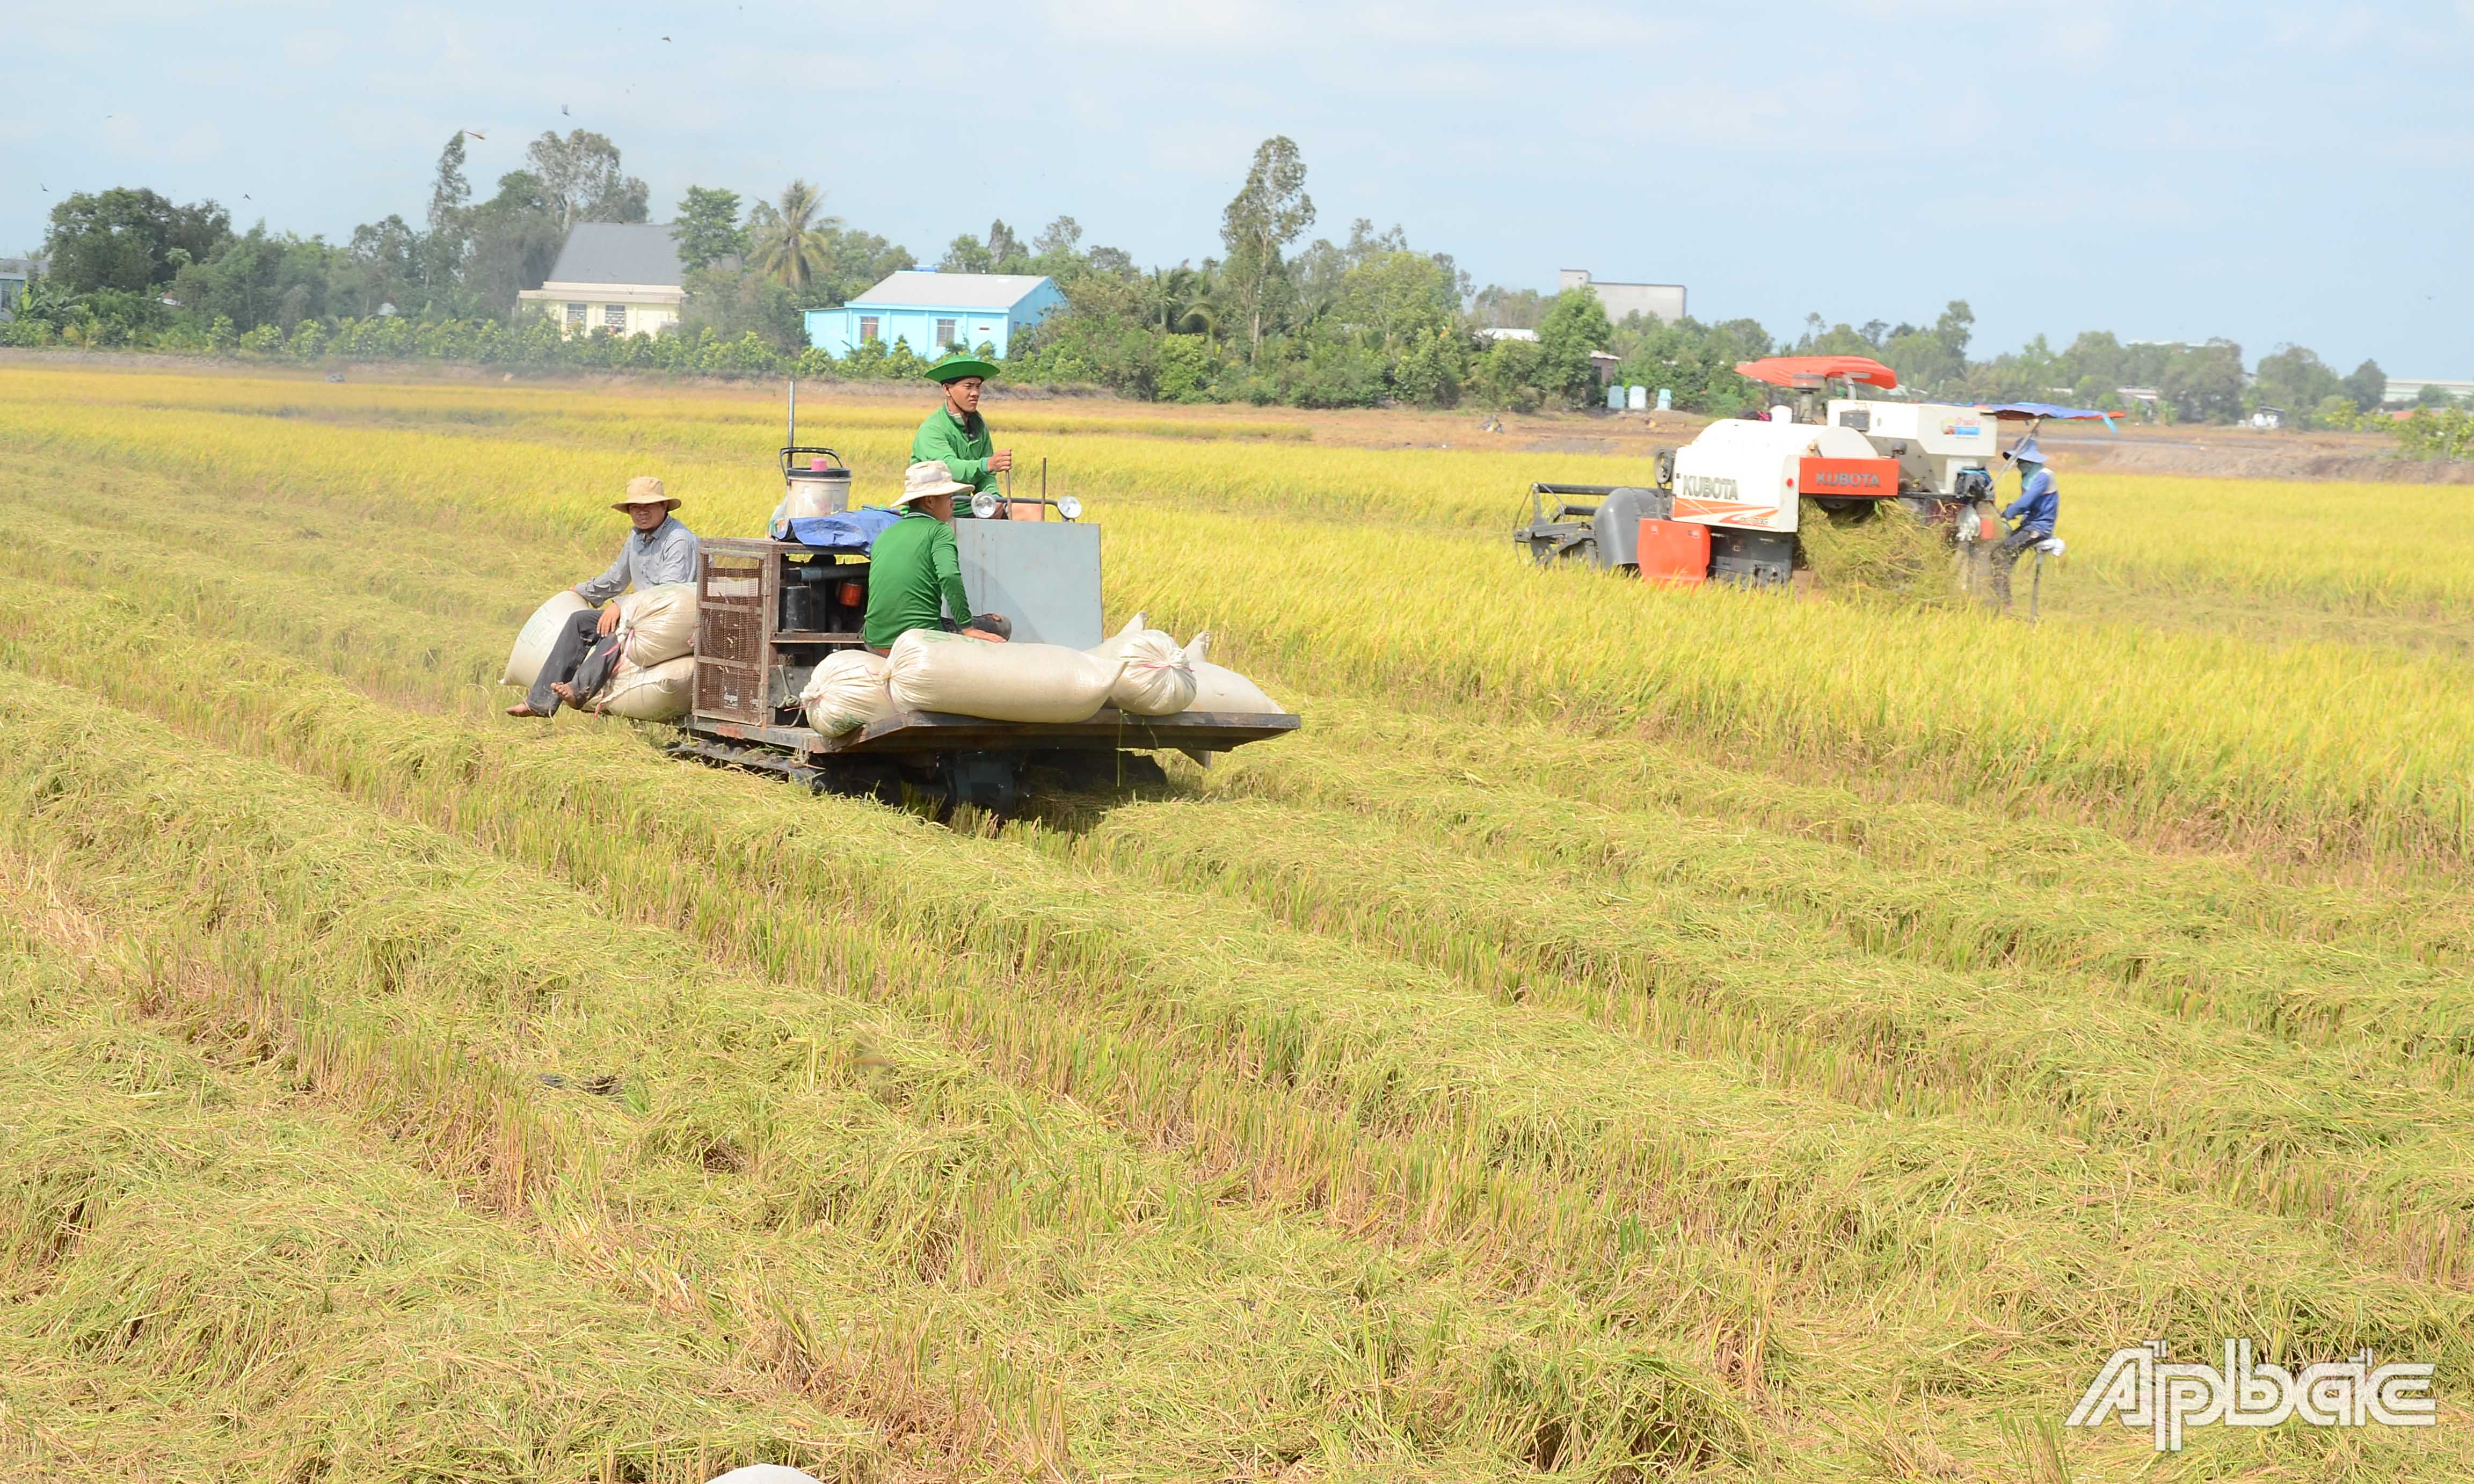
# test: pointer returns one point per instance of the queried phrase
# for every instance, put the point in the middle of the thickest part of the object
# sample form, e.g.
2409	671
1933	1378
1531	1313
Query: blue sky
2266	172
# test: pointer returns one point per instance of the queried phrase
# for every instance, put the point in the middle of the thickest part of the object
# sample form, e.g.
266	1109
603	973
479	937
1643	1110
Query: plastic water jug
822	488
819	486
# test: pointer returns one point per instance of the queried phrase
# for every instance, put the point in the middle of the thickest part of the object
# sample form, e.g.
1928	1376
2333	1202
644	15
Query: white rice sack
846	692
764	1474
933	670
1218	687
1158	680
1114	644
533	641
649	693
657	624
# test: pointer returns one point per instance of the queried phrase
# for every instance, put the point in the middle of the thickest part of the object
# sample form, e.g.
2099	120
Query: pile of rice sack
1140	672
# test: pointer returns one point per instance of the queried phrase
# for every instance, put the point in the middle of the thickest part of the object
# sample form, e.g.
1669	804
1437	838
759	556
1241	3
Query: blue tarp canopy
2019	410
851	530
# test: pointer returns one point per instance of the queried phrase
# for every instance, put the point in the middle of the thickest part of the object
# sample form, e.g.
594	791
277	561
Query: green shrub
2437	432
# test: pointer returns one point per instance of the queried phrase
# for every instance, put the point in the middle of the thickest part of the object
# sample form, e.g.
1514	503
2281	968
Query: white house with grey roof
623	276
928	311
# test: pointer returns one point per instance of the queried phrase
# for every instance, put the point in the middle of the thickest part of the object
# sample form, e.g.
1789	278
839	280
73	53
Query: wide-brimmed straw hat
645	490
957	364
926	479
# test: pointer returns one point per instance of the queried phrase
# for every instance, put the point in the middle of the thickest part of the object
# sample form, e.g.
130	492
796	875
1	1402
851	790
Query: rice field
1628	1034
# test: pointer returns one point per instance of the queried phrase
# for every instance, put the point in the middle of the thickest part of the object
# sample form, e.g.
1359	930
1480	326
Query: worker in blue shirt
2037	507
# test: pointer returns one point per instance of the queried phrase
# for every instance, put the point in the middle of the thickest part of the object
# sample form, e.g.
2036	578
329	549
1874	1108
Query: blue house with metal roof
928	311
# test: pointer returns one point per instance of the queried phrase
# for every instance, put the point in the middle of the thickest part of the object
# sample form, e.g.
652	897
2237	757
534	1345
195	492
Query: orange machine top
1813	370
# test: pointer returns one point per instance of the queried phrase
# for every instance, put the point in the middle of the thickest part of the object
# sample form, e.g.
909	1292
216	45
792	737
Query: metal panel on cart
1042	575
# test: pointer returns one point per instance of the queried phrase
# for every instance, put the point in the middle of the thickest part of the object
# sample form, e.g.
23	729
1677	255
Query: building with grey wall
2409	388
14	271
1659	300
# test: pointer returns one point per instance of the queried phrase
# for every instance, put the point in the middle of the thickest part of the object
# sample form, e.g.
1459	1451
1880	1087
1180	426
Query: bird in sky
665	39
484	138
562	109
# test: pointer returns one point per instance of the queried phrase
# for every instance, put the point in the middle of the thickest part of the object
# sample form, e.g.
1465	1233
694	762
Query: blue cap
2025	451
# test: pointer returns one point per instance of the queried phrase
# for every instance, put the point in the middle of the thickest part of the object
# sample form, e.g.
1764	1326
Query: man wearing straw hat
2037	510
954	434
915	571
659	551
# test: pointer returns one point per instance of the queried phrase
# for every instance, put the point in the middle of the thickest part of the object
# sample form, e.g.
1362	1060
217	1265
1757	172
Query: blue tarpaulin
848	530
2046	409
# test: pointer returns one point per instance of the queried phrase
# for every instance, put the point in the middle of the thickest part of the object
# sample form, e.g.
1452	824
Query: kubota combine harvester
1729	506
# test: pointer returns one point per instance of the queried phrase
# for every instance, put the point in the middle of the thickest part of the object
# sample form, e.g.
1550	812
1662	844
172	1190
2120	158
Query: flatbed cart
768	612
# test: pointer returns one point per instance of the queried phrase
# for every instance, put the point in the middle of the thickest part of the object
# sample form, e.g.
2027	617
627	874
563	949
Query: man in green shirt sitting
914	572
954	434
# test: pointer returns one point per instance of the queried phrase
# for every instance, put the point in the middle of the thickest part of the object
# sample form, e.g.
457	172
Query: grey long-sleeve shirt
646	559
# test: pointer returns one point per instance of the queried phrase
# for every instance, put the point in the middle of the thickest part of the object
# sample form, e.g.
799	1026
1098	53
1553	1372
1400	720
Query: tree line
1271	318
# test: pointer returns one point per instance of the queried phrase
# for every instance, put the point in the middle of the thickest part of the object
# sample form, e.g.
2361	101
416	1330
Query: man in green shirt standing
915	571
954	434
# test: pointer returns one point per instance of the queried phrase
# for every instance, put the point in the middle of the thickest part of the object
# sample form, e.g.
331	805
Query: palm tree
787	240
1181	298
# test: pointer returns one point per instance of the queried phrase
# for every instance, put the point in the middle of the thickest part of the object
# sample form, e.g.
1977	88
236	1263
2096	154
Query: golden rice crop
2322	748
2360	547
1629	1034
1316	1040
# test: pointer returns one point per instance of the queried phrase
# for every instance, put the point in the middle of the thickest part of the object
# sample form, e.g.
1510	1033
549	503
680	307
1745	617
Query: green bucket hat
958	364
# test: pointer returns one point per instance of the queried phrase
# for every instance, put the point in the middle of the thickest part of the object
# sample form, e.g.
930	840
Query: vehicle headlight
985	506
1069	508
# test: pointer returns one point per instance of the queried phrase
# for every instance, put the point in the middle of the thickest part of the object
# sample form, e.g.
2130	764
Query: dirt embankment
2248	453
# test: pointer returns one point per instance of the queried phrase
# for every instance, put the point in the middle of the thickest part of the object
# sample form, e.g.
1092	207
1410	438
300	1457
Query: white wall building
1659	300
623	276
2407	388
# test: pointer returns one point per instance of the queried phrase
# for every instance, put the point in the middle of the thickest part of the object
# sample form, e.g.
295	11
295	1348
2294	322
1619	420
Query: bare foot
525	709
566	693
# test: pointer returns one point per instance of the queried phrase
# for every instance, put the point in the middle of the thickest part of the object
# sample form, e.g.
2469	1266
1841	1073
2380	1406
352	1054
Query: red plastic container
1674	554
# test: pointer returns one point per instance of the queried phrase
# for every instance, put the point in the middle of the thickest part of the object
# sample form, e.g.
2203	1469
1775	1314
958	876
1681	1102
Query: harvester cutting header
1728	506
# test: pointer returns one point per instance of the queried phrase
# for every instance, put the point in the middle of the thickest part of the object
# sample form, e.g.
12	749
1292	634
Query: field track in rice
1628	1034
